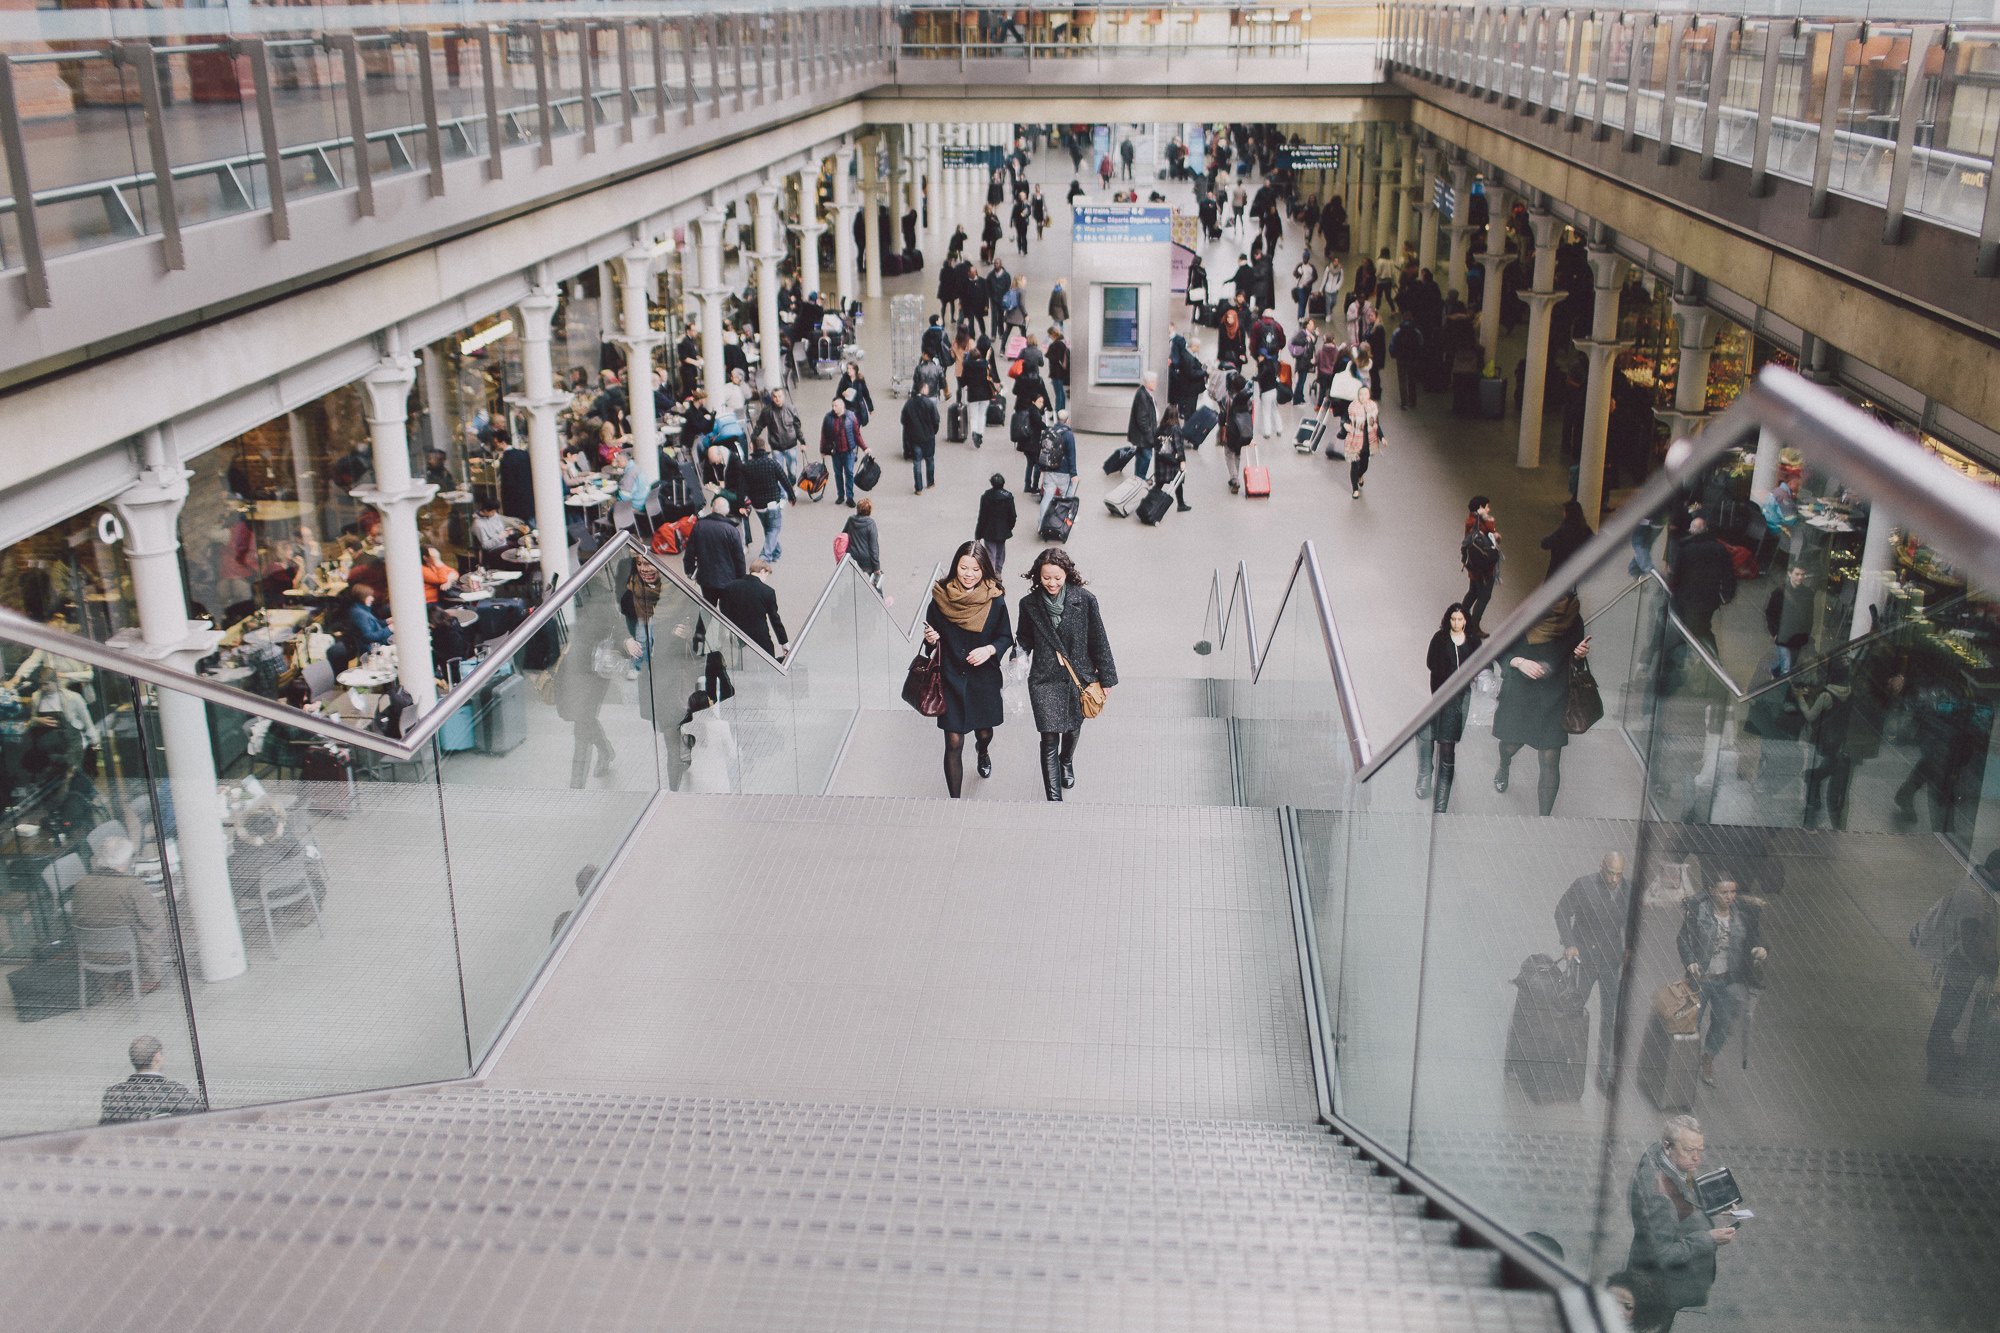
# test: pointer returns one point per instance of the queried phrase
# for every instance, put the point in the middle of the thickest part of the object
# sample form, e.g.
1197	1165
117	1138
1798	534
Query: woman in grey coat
1059	619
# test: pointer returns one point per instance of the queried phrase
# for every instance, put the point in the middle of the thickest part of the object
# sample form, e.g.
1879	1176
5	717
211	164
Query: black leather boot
1069	754
1443	797
1052	765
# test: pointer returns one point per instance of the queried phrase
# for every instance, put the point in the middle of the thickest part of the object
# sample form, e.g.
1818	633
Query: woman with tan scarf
1534	688
967	620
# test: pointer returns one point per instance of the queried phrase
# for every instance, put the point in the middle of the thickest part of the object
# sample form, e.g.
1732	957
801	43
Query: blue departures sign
1124	223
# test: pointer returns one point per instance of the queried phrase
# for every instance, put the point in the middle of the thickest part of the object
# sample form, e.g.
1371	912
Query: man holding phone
1673	1241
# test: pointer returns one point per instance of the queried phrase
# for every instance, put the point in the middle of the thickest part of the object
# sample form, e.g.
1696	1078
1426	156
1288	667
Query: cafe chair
61	875
319	678
104	941
97	837
286	883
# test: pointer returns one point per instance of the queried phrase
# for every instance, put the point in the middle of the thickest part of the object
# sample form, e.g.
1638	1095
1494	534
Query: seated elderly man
148	1093
110	897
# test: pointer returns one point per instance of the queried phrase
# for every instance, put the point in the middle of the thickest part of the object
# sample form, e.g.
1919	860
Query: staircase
812	1063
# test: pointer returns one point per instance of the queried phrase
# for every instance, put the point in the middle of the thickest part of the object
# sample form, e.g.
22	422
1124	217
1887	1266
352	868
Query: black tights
954	756
1552	772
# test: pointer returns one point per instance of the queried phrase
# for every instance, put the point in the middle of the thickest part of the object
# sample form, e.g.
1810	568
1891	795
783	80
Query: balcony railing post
1537	37
1921	40
628	98
496	167
1829	116
715	67
1607	24
267	133
1670	108
546	112
1719	61
586	83
139	55
1989	222
1638	64
420	41
657	29
25	223
686	29
1767	100
357	118
1578	20
1501	88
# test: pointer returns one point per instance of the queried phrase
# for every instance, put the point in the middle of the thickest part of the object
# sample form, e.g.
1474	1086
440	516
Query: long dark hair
1054	555
976	549
1444	621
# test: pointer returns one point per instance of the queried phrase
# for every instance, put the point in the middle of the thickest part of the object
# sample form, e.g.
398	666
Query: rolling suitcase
957	423
1310	432
1256	477
329	775
504	724
1669	1064
1126	495
1062	517
1196	431
1548	1041
913	261
1155	506
1119	457
996	413
1493	398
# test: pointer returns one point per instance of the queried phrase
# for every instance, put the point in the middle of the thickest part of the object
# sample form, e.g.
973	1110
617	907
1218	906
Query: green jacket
1670	1239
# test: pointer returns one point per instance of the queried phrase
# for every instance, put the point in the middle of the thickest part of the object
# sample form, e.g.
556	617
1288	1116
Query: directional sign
1311	156
1127	223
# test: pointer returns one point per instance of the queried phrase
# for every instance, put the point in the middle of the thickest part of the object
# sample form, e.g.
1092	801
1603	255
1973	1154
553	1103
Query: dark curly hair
1054	555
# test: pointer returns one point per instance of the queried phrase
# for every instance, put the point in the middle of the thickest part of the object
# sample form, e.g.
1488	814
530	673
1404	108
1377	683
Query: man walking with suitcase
1591	921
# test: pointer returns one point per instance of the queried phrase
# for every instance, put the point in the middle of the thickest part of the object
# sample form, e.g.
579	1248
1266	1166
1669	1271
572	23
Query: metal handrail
1957	514
18	628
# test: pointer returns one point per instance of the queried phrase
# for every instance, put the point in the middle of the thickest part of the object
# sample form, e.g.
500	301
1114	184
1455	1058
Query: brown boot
1708	1070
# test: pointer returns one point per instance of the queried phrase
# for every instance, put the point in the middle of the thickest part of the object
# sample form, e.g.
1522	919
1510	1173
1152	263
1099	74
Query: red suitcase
1256	478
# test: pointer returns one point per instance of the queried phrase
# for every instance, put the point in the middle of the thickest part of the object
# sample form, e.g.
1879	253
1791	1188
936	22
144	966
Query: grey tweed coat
1082	639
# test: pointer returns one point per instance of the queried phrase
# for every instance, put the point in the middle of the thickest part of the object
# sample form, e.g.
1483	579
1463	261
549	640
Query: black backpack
1022	428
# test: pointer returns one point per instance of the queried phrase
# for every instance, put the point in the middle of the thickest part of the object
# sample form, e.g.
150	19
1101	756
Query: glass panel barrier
77	788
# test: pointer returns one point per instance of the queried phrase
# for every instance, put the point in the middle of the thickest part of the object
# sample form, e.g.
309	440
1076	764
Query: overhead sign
1131	224
1311	156
1444	198
987	159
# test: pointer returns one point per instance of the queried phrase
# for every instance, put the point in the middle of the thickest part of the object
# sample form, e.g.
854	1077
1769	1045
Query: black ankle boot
1500	775
985	763
1443	796
1423	785
1052	785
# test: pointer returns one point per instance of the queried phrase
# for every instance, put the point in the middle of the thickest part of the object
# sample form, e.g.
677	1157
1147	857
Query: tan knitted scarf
962	606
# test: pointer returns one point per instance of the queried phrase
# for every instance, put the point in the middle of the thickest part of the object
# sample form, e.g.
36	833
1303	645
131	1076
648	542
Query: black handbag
1585	706
868	473
923	687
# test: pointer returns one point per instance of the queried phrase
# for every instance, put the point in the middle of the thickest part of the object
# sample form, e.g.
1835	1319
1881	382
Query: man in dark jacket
1704	579
998	283
752	606
1479	552
767	490
517	484
839	441
714	555
1789	617
1406	348
920	429
1186	376
996	520
1591	922
1143	424
937	346
148	1093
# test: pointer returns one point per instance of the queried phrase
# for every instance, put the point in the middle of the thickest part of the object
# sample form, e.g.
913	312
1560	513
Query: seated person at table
576	465
437	470
110	897
437	574
148	1093
354	624
370	573
492	534
282	572
449	640
265	849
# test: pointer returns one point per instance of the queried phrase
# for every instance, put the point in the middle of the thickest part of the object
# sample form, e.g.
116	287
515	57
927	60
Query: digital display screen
1121	319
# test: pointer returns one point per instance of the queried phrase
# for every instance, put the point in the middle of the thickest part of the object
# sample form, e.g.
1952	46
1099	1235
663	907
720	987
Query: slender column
1607	275
1460	230
1493	262
1361	217
871	217
1427	228
539	401
399	496
635	270
1385	191
1878	552
940	231
810	228
1406	206
150	511
708	231
1764	474
767	254
1697	325
434	413
1541	299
